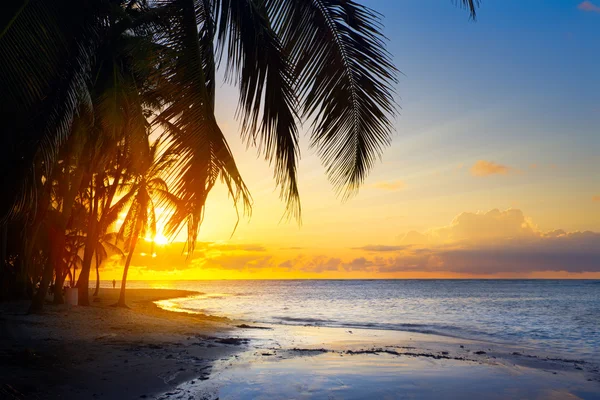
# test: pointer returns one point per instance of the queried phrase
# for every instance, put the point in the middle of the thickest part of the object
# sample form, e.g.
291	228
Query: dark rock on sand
245	326
232	341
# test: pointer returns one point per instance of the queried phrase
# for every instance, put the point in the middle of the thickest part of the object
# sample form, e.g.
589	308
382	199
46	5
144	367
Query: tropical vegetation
108	110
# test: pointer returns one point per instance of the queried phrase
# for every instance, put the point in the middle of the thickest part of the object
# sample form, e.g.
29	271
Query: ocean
559	317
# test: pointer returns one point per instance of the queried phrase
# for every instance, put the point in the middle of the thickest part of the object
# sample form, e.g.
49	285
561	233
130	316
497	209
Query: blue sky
518	87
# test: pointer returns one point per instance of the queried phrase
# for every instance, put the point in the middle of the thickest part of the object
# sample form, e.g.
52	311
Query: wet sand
308	362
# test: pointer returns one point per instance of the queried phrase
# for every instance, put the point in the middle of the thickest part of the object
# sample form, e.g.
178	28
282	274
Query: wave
305	320
431	329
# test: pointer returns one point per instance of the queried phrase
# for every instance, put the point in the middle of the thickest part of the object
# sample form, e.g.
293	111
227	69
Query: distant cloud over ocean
487	168
473	244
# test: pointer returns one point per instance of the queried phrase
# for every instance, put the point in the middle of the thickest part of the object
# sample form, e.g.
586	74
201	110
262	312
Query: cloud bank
474	243
488	243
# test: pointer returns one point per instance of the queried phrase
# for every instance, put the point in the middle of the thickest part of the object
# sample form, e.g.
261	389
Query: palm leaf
46	49
471	5
267	103
188	117
345	80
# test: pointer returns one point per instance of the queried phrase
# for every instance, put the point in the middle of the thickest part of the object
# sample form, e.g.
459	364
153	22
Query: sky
493	170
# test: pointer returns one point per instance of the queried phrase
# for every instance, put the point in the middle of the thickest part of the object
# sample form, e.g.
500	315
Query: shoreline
101	352
293	353
515	348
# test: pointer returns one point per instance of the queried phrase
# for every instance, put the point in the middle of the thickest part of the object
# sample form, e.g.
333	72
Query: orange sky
494	244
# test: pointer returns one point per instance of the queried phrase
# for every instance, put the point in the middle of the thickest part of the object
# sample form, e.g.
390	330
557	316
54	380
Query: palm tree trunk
73	276
90	244
26	275
97	277
58	285
121	302
3	254
4	284
37	304
83	283
58	249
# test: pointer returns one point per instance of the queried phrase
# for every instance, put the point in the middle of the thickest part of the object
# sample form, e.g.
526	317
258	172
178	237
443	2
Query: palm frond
345	80
260	66
119	207
151	219
471	5
129	227
109	247
46	49
195	136
206	19
100	251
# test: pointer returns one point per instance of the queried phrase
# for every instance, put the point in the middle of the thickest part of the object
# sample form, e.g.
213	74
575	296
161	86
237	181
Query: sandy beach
103	352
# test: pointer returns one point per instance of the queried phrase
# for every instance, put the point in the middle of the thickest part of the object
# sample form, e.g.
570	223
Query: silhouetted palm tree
141	195
115	70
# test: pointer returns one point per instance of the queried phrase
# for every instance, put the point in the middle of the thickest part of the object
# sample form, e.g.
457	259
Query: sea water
557	316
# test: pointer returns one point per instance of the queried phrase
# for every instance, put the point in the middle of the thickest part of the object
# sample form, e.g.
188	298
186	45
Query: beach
103	352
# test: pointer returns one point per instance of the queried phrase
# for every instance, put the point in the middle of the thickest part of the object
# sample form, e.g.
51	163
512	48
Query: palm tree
129	63
142	194
104	247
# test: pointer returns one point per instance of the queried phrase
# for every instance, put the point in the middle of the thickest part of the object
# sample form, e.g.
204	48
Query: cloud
574	252
391	186
495	242
238	262
359	264
487	168
323	264
317	264
287	264
475	243
571	252
379	248
588	6
476	227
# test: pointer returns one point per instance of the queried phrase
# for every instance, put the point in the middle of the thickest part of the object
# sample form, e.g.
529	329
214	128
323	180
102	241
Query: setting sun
159	239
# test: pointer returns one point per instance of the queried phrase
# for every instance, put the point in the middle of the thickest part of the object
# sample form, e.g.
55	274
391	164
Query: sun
159	239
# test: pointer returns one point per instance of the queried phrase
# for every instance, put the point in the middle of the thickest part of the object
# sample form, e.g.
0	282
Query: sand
103	352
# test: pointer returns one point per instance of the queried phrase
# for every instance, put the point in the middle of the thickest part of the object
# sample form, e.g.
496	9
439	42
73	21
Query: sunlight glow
159	239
